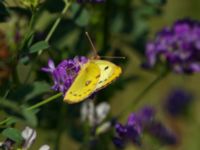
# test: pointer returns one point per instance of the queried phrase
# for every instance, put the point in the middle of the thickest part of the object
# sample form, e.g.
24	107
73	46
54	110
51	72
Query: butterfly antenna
93	47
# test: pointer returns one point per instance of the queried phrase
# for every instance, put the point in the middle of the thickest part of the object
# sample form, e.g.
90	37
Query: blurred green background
118	28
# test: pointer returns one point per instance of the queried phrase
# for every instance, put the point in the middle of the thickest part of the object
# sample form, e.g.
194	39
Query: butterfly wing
109	72
84	84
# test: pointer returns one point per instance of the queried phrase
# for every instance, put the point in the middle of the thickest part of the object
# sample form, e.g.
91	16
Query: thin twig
138	98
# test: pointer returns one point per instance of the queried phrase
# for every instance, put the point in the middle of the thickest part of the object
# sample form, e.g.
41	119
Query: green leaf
29	91
30	116
80	15
30	39
11	108
118	24
24	60
3	12
39	46
30	3
147	11
37	89
83	19
13	134
156	2
3	9
20	113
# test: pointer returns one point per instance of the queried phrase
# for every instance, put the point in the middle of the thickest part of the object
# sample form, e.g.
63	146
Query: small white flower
84	111
102	111
29	136
94	115
91	113
44	147
87	112
103	127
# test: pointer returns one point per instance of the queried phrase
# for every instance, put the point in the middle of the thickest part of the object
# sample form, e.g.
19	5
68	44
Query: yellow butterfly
93	76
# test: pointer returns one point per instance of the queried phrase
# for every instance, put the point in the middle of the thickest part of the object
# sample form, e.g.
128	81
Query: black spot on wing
98	76
103	81
106	68
87	82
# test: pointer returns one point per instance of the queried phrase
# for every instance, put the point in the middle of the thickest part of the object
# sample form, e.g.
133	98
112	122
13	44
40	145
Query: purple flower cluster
64	74
178	101
178	47
137	123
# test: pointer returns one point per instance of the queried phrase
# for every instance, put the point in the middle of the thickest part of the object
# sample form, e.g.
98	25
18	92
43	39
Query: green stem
44	101
56	24
60	127
5	121
138	98
29	31
28	74
35	106
49	35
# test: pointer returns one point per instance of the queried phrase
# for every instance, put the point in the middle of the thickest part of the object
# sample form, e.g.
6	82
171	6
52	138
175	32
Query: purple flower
127	133
64	74
163	134
132	130
120	143
177	46
146	115
142	121
7	144
178	101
